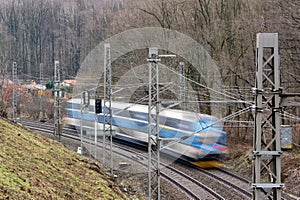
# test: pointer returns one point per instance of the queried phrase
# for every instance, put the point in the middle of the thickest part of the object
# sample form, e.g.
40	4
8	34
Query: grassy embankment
35	167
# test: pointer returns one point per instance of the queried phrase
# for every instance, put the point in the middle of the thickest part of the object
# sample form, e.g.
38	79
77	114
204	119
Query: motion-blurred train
203	134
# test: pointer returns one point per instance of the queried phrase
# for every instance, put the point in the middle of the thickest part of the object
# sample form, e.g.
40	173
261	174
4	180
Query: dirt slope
238	161
35	167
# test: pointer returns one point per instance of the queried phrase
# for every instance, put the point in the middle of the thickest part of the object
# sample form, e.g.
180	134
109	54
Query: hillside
238	161
35	167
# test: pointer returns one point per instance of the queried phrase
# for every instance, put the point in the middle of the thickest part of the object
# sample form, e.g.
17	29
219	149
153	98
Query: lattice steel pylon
182	91
14	95
41	91
107	111
266	182
153	127
57	95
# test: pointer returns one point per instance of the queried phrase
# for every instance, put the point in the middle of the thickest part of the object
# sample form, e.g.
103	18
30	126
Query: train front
209	140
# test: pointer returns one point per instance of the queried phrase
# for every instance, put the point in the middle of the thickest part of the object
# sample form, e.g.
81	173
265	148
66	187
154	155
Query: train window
185	125
181	124
121	113
171	122
207	125
73	106
204	125
218	126
139	116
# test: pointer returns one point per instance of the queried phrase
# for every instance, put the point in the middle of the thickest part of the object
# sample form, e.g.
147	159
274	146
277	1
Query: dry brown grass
238	161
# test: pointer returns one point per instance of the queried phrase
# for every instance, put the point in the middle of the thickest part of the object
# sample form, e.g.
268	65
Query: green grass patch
36	167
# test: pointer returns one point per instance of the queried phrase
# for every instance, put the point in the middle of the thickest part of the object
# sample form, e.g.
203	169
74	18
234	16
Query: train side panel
204	139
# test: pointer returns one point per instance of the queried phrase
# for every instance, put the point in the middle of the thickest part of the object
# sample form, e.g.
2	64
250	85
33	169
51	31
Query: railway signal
98	110
98	106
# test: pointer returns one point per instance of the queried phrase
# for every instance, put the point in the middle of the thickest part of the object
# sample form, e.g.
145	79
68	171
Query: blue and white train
203	134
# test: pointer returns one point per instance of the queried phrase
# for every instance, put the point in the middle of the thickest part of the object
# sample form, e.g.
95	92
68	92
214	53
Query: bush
49	85
3	111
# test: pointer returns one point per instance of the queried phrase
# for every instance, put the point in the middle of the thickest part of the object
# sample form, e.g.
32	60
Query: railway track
194	182
221	180
191	185
192	188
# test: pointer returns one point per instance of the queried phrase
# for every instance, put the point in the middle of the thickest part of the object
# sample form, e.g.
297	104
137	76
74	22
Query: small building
68	83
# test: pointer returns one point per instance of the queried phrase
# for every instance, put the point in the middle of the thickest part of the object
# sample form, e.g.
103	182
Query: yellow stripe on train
208	164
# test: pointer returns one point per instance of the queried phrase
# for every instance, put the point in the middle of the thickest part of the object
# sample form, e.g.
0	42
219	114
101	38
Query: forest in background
41	31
